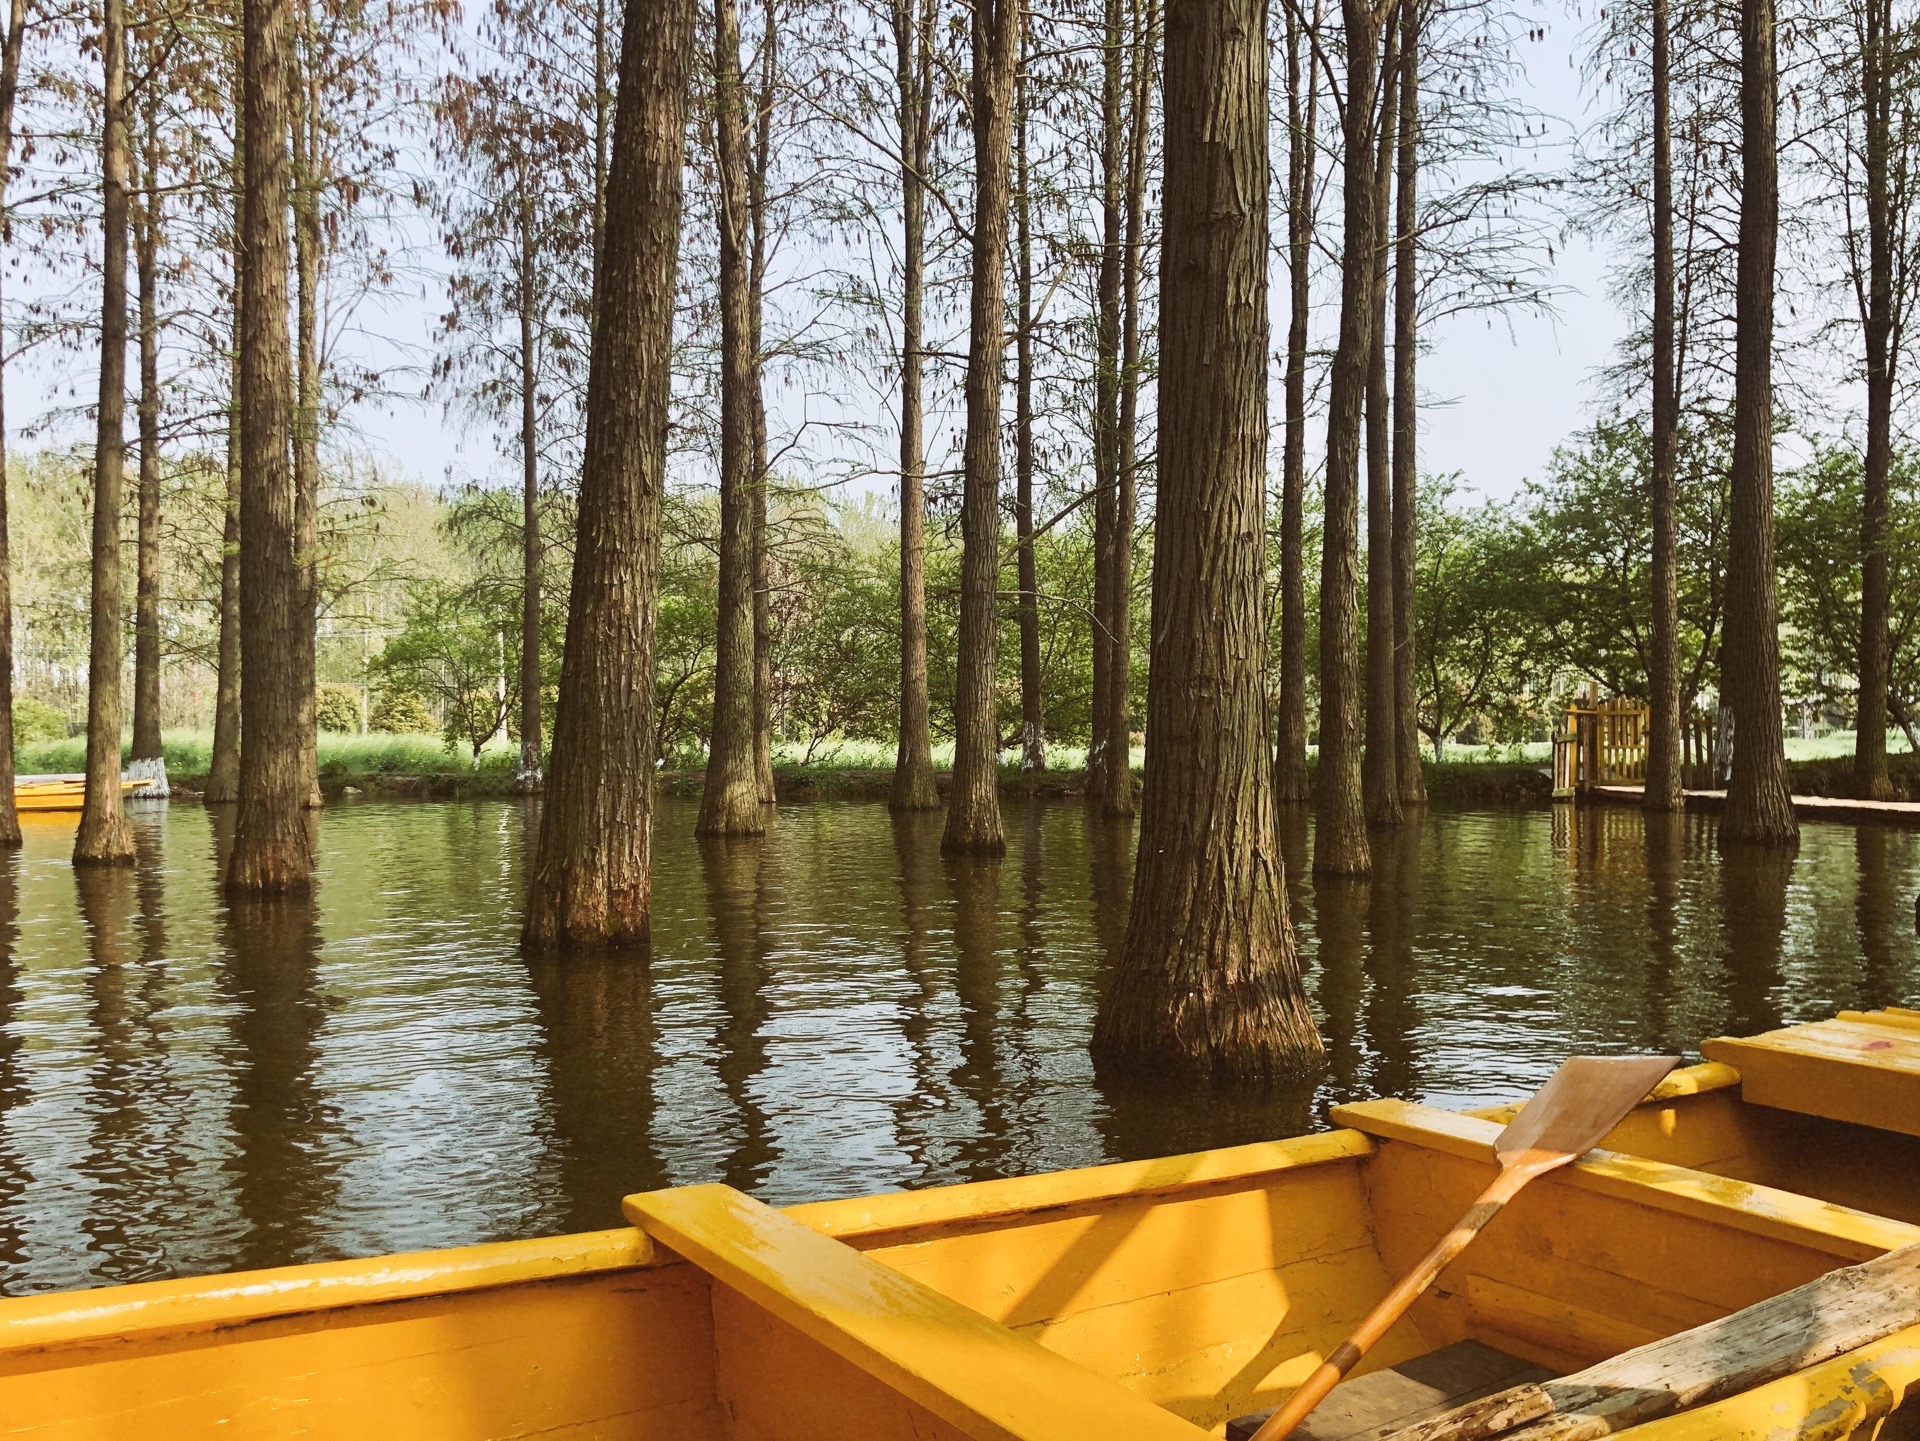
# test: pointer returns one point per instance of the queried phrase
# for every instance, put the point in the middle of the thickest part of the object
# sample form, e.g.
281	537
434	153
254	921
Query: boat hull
1190	1289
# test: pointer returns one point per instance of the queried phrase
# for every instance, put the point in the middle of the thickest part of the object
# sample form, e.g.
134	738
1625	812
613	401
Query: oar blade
1582	1101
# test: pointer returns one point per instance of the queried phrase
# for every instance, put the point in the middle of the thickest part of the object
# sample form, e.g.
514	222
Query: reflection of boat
60	792
1144	1300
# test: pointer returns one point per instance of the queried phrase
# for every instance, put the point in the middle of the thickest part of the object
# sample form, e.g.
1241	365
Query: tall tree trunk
223	769
1033	746
913	786
1208	979
528	777
1117	782
1665	784
591	881
148	759
973	809
757	179
1104	744
1380	768
104	836
271	847
1880	334
1406	412
307	244
10	48
1340	825
730	805
1759	808
1290	784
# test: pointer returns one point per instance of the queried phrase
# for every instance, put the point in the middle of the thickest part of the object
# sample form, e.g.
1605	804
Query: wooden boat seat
1861	1066
1381	1402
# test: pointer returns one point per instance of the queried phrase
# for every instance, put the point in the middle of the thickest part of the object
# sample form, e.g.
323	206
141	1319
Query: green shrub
35	720
337	709
401	712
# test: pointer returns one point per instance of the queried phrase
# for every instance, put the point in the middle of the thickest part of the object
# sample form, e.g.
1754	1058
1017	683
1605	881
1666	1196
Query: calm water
190	1086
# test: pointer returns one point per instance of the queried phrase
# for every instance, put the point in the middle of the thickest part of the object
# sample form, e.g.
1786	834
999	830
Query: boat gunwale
182	1306
1769	1211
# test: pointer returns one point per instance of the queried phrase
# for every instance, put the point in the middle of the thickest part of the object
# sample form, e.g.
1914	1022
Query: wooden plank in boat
1384	1401
1862	1066
971	1372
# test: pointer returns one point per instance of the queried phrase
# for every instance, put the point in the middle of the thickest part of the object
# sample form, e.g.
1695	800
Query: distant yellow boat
59	793
1151	1301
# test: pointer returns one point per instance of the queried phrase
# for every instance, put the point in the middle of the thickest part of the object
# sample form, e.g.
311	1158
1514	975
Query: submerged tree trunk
10	48
756	294
1406	413
1290	784
973	809
1340	825
913	786
528	776
1664	788
730	804
1117	796
307	241
1380	768
1104	744
1759	808
104	836
272	850
1033	747
590	881
1881	334
1208	979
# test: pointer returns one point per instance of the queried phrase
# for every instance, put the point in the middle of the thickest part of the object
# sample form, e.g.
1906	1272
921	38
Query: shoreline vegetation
422	767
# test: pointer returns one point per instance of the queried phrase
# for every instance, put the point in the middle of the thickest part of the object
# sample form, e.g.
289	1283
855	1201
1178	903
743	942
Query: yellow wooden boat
1151	1301
1830	1109
59	793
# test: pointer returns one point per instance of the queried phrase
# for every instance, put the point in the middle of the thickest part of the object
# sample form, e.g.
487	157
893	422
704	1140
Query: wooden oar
1582	1101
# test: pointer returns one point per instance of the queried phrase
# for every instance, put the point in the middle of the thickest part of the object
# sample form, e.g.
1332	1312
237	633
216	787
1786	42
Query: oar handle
1394	1305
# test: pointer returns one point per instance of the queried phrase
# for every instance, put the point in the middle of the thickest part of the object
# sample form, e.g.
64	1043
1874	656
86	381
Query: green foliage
458	648
337	709
1816	529
1589	527
35	720
400	711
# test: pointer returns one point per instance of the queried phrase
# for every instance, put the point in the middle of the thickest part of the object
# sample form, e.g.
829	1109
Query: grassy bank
422	766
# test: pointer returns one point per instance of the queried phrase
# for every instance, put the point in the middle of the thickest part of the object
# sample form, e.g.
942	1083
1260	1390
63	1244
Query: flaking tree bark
1664	781
730	803
1290	783
272	851
528	775
223	769
104	837
1380	767
973	807
1340	826
1759	807
1208	982
11	46
913	788
590	879
1406	411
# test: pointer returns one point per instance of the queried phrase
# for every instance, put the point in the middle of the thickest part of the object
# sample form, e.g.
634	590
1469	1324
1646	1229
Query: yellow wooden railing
1604	743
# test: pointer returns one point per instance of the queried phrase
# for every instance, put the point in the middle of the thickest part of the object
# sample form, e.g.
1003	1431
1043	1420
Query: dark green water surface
188	1085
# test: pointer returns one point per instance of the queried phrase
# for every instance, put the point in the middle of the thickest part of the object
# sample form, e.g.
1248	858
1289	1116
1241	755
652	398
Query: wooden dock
1808	808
